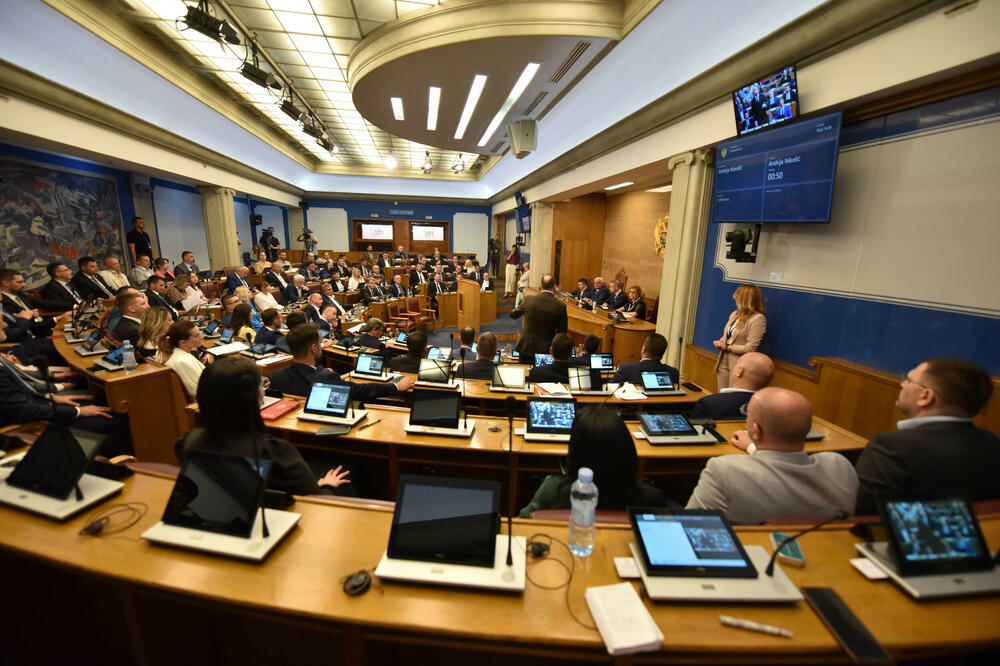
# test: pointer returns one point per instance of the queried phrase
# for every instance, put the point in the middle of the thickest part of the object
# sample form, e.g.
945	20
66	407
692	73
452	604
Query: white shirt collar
918	421
734	390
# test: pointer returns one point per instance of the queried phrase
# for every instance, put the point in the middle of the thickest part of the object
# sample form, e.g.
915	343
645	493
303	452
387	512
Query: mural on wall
48	214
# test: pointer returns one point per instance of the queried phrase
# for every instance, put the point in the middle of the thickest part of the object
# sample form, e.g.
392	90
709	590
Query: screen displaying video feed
551	415
328	399
767	101
369	364
935	530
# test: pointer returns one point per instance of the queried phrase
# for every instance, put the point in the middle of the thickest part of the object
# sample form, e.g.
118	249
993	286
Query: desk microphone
840	515
511	404
461	353
253	351
42	363
350	383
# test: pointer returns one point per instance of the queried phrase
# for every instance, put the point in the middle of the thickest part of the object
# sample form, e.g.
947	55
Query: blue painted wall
890	337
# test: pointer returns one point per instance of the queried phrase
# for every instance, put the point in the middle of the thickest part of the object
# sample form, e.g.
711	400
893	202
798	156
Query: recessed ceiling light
475	91
397	107
433	100
515	93
625	184
390	161
665	188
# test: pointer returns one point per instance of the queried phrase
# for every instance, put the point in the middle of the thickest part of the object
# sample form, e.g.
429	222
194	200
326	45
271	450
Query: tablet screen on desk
216	492
508	376
91	340
114	357
936	536
401	337
369	364
543	359
688	542
445	520
657	381
439	353
602	362
432	370
212	325
660	425
328	399
227	336
56	461
435	408
551	416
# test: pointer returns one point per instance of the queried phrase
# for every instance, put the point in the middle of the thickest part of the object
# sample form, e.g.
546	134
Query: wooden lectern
468	304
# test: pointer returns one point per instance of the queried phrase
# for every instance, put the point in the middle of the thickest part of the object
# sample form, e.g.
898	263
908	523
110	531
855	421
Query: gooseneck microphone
840	515
350	382
246	384
253	351
511	404
461	353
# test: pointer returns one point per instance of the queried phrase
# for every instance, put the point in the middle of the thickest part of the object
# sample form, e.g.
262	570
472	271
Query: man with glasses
936	449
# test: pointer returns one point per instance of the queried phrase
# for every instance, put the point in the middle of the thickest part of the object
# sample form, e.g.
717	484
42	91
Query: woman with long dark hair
601	441
230	393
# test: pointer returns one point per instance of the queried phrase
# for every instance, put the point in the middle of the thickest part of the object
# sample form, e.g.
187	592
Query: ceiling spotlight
459	165
199	19
427	162
229	33
326	143
252	71
292	111
390	161
312	127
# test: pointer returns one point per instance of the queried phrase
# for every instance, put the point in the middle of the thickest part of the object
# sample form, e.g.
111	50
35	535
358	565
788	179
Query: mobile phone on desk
791	554
691	387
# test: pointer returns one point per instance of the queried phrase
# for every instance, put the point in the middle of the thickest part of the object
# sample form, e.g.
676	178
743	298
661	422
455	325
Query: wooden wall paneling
629	223
579	224
853	396
400	234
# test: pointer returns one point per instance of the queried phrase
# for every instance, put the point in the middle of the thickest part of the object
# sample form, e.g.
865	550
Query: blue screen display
783	175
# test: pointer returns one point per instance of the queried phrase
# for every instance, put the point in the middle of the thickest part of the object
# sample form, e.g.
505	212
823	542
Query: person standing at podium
743	332
544	316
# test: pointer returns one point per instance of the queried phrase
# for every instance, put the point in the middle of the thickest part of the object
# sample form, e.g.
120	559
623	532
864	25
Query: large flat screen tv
785	175
523	213
766	102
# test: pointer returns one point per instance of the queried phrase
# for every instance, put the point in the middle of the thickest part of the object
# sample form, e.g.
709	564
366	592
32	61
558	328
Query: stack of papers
553	390
629	392
625	624
231	348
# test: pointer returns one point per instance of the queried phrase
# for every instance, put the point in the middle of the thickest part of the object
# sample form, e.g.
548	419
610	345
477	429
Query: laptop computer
370	366
662	428
436	412
602	362
330	403
215	507
549	420
588	381
543	359
112	360
439	354
694	555
435	373
444	531
92	345
510	379
50	479
657	382
935	548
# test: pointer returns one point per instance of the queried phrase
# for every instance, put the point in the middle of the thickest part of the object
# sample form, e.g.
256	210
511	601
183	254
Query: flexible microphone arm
250	344
350	383
256	457
511	404
461	352
840	515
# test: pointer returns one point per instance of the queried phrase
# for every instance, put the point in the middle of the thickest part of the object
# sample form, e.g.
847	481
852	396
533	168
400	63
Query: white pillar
220	226
540	242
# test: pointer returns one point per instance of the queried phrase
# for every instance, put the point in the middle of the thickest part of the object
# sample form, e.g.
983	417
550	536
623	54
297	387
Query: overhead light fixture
198	19
290	110
251	70
664	188
515	93
625	184
325	142
459	165
478	83
427	162
433	100
390	161
397	107
312	127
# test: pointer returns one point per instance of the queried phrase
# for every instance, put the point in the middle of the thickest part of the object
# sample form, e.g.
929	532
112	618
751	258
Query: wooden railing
853	396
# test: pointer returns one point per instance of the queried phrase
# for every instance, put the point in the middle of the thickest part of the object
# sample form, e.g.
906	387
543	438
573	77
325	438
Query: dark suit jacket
338	285
267	336
21	406
291	294
395	291
415	279
557	372
401	255
632	372
340	271
272	280
934	458
598	295
160	300
368	340
312	315
233	282
181	268
126	329
435	288
297	379
329	300
481	368
581	361
729	405
544	316
40	328
86	287
617	300
57	293
406	363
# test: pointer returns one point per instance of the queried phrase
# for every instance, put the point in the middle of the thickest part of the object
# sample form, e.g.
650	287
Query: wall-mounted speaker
304	205
522	137
257	220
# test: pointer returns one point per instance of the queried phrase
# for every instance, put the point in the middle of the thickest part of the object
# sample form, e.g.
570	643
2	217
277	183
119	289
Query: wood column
685	249
220	226
540	242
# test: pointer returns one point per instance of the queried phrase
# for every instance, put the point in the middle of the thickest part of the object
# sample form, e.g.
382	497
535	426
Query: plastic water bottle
128	357
583	500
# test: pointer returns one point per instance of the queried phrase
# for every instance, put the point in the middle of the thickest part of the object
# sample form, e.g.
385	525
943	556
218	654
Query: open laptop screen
217	492
432	370
56	461
687	542
551	416
435	408
508	376
934	536
657	381
369	364
328	399
603	362
445	520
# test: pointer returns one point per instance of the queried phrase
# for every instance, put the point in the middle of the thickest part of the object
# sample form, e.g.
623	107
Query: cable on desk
570	570
114	519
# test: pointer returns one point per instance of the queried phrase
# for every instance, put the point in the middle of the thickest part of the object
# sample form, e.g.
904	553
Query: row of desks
121	600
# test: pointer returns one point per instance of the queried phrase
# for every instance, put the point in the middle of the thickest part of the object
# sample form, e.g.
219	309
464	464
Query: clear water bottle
583	500
128	357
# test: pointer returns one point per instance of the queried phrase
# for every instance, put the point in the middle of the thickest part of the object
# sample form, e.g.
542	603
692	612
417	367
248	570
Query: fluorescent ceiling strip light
625	184
478	83
397	107
665	188
433	100
515	93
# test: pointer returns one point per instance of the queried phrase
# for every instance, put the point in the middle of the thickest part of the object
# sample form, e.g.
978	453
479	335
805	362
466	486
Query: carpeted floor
504	327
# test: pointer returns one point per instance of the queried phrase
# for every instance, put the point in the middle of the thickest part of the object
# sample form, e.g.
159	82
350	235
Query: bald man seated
776	478
752	372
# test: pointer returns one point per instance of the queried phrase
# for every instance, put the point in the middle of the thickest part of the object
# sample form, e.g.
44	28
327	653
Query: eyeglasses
905	379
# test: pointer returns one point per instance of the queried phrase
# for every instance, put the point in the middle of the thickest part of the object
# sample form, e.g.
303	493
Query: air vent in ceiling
570	60
535	102
497	147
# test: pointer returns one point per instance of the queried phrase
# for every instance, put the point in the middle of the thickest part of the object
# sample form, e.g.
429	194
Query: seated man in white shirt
112	273
777	478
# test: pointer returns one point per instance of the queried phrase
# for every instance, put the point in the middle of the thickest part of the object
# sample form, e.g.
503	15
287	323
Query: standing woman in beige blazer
743	331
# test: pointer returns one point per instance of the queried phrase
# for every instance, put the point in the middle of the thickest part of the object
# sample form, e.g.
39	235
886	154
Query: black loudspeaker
304	205
257	220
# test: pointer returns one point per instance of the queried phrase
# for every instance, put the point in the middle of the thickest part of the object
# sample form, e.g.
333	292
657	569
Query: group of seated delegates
561	349
610	297
653	349
482	366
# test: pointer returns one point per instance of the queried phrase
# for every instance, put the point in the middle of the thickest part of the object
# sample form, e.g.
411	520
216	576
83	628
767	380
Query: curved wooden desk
120	600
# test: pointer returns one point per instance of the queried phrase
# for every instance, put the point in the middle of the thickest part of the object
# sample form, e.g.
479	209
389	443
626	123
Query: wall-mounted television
785	175
766	102
523	214
427	232
376	232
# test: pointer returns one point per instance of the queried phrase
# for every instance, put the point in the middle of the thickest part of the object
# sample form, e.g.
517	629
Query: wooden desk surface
166	593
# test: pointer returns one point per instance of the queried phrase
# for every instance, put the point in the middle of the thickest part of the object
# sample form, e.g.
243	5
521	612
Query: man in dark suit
401	254
616	297
337	285
329	322
385	261
19	304
653	350
330	299
544	316
59	289
591	343
597	294
270	330
88	282
582	287
187	264
314	309
482	367
371	292
296	291
416	343
396	289
558	371
309	272
936	450
306	347
341	269
277	278
417	276
752	372
237	279
370	337
131	304
156	295
17	331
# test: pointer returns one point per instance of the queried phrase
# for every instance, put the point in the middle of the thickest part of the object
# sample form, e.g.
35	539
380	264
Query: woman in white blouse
356	281
262	300
182	338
